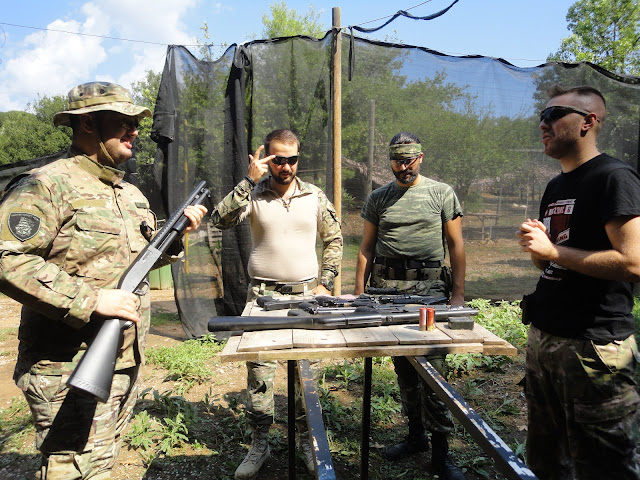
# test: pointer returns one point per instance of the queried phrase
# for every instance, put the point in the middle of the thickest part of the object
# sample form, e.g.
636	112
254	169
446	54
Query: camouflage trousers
78	437
420	404
582	404
260	377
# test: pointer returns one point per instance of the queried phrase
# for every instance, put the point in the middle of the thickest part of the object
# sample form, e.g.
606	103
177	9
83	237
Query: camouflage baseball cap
98	96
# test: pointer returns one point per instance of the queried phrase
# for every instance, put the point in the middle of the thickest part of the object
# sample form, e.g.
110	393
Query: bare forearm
605	264
458	268
363	271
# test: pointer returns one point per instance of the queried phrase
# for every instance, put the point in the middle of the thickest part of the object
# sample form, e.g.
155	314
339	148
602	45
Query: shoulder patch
23	225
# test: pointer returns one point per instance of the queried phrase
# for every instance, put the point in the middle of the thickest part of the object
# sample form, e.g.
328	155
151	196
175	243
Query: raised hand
258	166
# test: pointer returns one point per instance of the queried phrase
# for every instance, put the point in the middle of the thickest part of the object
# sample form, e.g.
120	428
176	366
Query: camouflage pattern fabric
419	401
235	207
404	151
78	436
66	231
99	96
410	219
85	233
593	388
260	376
411	287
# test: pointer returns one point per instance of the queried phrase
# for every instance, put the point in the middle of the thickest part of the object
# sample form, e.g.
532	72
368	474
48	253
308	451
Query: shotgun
94	372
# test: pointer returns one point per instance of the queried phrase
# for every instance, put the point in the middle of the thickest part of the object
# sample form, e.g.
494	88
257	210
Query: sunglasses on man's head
292	160
551	114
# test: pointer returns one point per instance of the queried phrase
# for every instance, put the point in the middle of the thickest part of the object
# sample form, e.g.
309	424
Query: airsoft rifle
270	303
94	372
361	316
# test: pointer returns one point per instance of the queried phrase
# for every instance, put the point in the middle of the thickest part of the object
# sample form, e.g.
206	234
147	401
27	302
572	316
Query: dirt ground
229	383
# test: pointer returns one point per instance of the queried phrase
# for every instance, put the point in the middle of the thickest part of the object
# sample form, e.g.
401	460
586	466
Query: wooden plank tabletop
394	340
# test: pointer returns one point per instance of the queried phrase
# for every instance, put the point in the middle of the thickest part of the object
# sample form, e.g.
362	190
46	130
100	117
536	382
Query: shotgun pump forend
94	372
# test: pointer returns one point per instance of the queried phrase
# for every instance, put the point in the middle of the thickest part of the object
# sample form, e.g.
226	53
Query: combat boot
257	455
416	441
441	460
305	447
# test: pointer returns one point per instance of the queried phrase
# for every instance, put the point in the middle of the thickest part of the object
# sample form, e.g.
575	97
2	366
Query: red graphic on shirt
556	219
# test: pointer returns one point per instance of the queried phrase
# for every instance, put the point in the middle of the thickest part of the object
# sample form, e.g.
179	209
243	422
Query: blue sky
42	60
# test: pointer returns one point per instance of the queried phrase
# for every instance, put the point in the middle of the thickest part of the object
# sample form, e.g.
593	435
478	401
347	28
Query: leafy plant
186	361
174	434
505	320
350	370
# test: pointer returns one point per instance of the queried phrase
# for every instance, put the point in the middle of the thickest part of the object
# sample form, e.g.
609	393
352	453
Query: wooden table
398	340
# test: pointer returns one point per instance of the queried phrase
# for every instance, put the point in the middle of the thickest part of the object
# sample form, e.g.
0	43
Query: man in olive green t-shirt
405	225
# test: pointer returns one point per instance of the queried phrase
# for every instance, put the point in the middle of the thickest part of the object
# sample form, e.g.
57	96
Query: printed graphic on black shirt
556	219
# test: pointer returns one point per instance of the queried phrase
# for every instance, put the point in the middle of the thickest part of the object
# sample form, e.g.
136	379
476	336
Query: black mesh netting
477	118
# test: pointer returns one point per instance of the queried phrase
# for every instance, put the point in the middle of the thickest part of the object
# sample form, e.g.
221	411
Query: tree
24	136
144	92
606	33
45	107
31	134
286	22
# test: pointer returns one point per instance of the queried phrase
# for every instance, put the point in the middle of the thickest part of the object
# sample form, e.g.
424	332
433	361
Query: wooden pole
336	101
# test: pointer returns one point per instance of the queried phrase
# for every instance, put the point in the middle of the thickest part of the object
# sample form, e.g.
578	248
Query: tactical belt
406	269
288	288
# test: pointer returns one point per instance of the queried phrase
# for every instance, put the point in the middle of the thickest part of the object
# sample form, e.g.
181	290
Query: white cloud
158	21
51	62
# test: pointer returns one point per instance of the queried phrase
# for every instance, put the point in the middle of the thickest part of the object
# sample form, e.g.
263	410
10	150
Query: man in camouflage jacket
68	231
285	214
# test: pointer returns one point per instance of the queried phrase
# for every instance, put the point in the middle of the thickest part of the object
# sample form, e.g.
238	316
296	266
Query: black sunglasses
292	160
551	114
404	161
129	124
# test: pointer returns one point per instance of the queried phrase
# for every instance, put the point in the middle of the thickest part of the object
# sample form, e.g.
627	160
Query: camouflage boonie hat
99	96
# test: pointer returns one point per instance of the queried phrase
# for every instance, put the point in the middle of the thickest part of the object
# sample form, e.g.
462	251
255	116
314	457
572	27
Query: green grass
186	362
15	423
8	332
163	318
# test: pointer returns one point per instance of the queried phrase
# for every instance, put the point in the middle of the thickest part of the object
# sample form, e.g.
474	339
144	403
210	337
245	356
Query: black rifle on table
360	317
270	303
94	372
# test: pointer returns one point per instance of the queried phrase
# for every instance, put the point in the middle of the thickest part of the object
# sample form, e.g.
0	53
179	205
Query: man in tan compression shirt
285	214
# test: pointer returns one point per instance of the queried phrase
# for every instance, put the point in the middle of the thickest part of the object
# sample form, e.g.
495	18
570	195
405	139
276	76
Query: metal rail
317	434
506	461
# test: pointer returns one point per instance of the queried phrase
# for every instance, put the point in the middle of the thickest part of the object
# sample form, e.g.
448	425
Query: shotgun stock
94	372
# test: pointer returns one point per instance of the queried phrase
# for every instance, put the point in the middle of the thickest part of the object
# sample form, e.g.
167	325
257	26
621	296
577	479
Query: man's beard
406	177
280	180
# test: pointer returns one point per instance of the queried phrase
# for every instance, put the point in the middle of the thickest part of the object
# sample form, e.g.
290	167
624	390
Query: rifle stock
94	372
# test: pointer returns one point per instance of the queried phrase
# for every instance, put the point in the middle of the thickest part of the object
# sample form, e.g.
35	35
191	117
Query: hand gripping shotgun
94	372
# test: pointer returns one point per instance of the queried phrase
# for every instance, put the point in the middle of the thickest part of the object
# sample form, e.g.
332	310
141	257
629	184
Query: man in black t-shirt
581	354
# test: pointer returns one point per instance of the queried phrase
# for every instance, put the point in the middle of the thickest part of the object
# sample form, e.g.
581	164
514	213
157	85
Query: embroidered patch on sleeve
23	225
